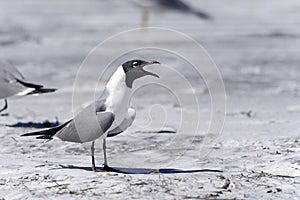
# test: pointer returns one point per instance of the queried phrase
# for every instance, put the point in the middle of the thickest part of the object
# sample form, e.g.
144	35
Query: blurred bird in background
13	84
148	6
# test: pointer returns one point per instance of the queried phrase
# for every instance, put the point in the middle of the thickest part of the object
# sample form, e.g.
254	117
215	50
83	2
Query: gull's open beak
150	73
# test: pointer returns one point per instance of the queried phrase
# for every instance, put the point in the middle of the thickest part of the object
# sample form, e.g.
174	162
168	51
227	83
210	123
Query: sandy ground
254	43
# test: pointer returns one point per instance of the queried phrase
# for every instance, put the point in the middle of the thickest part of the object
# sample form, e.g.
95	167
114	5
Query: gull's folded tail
48	133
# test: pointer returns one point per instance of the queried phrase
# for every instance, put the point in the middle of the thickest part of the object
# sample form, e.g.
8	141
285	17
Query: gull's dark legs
5	106
93	157
104	152
106	167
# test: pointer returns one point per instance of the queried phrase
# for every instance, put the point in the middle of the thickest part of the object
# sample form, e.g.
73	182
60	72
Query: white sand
254	43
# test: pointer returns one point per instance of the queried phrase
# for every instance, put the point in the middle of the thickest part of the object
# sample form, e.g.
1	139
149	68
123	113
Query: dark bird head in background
134	69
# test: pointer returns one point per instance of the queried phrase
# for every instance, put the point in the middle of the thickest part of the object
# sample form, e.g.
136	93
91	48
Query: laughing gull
163	5
111	111
13	84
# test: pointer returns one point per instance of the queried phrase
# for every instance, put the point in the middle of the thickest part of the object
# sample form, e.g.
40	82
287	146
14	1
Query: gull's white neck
117	94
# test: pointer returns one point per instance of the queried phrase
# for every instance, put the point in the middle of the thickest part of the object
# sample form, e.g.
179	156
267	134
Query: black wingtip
46	90
203	15
47	133
42	90
28	134
38	88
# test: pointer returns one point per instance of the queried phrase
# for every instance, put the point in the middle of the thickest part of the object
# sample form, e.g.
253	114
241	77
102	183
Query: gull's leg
5	106
93	157
106	167
104	152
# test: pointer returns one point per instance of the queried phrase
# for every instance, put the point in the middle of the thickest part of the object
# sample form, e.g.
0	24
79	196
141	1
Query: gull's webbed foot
109	169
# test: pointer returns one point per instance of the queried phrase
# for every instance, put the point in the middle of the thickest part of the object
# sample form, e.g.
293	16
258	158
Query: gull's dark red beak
150	73
154	62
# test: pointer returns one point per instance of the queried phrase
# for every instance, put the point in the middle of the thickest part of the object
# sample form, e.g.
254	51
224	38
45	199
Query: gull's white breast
118	97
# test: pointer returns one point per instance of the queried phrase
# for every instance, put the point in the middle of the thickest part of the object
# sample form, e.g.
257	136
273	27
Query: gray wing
9	85
11	71
12	83
127	122
87	126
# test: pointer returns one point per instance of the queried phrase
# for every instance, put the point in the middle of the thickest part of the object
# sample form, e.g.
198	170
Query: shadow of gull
142	170
45	124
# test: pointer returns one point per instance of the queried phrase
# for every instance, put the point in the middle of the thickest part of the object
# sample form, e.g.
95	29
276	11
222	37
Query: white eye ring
135	63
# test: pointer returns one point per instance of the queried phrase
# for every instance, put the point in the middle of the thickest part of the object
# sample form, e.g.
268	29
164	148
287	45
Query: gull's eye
135	64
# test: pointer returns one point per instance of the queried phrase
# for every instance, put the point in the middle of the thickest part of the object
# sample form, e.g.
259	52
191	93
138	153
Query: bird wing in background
148	6
8	80
175	4
182	6
12	83
9	71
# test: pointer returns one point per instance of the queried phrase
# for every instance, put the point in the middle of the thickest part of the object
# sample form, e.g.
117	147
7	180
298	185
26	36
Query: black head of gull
134	69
